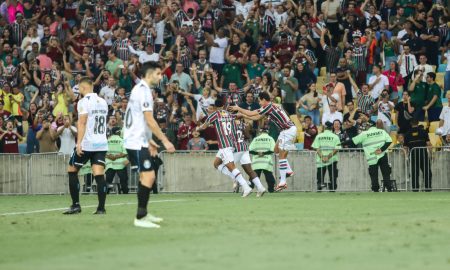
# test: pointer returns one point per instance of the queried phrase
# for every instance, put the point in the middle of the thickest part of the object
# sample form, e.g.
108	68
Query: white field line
87	206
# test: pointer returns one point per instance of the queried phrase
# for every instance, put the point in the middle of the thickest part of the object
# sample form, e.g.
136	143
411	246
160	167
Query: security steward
261	149
416	140
375	142
327	144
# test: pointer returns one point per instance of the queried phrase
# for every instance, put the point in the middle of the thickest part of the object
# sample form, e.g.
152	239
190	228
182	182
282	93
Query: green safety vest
326	142
262	143
371	140
115	146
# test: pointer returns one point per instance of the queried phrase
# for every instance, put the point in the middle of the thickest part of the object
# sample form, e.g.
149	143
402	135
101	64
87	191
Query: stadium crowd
341	61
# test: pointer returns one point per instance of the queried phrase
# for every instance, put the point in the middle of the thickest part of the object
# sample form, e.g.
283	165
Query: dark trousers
32	142
420	162
332	174
289	108
269	179
218	68
383	164
123	176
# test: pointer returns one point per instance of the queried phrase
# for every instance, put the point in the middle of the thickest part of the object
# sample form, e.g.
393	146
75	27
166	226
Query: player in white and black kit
92	145
139	127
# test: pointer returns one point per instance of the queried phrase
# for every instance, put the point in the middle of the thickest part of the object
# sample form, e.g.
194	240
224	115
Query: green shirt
434	90
419	94
254	70
290	92
326	142
112	66
372	140
262	143
115	147
408	10
232	73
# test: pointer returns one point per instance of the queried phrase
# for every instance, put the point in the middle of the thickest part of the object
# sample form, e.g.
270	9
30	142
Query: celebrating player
242	155
225	130
139	127
288	132
92	145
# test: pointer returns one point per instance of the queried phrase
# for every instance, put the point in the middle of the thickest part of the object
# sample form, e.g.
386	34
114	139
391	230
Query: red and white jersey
277	115
223	124
240	144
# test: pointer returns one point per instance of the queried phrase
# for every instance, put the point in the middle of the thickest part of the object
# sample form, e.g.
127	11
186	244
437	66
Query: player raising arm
223	124
139	127
287	129
92	145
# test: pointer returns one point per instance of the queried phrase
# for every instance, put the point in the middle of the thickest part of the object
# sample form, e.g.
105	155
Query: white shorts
287	138
226	155
242	157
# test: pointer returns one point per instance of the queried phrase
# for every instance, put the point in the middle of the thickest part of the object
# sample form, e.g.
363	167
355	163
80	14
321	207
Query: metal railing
186	171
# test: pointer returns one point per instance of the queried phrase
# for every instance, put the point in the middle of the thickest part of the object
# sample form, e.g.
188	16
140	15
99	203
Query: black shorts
141	160
97	158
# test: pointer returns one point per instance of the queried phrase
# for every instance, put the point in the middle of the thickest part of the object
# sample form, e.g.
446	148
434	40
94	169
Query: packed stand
350	63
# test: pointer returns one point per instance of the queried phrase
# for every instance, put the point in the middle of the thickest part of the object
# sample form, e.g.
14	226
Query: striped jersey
236	97
223	124
277	115
240	144
365	102
359	57
120	46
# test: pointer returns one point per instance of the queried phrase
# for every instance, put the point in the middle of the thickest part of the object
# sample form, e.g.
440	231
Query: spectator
304	78
184	80
407	62
311	132
444	118
108	91
385	108
378	82
34	119
418	93
10	138
430	37
249	103
328	97
395	80
404	113
446	56
185	131
332	115
67	134
339	89
16	105
309	104
47	137
426	68
197	143
433	102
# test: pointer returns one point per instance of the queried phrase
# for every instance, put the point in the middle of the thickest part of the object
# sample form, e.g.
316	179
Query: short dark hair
432	75
307	117
264	96
149	67
218	103
414	122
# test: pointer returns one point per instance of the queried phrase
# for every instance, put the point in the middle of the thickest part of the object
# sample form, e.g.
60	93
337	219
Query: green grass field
223	231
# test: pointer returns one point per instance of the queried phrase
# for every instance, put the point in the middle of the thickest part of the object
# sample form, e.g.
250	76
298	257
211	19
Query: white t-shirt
326	101
144	56
447	55
159	29
380	86
280	17
383	110
202	105
426	69
136	132
445	116
217	54
331	117
101	33
243	9
108	94
97	110
67	140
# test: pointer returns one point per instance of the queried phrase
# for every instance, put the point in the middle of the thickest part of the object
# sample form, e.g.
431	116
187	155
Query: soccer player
223	124
92	145
288	132
242	155
139	127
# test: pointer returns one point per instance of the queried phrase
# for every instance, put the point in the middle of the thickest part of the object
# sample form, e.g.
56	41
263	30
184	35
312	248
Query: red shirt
287	55
394	79
183	130
309	139
10	143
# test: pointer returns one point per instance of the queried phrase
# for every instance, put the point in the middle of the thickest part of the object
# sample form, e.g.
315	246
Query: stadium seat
394	120
433	126
296	122
299	146
300	137
435	140
433	67
323	72
440	79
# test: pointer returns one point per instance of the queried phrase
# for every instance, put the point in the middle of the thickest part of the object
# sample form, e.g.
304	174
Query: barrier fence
183	171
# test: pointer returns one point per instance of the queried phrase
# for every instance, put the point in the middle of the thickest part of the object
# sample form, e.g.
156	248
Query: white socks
289	170
257	183
224	170
283	167
238	176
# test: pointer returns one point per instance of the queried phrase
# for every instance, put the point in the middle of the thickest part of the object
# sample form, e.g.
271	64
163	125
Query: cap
116	131
19	14
356	33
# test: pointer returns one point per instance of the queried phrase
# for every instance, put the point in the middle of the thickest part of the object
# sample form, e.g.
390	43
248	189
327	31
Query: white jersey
136	133
95	135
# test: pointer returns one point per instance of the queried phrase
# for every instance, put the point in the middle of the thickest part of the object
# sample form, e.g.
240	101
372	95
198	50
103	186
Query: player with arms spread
92	145
223	124
139	127
288	132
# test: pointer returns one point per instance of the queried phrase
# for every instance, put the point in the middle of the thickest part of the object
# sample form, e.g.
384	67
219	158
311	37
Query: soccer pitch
224	231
